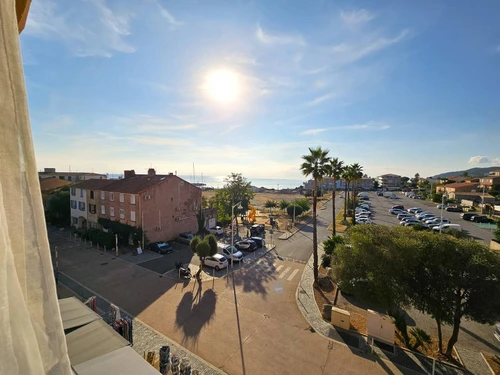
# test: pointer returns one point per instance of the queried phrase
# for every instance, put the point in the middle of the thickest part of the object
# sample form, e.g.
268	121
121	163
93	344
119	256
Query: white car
441	206
217	261
362	220
216	230
414	210
237	255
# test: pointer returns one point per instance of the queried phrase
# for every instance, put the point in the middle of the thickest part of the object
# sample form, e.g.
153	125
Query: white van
446	227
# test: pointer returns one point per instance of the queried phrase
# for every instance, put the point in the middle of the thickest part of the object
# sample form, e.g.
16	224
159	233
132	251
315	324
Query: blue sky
397	86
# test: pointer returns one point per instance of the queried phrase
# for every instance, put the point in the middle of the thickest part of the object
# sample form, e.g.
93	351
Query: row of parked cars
363	213
476	218
426	219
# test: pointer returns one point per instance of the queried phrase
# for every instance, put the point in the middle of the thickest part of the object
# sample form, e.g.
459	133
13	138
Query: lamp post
232	230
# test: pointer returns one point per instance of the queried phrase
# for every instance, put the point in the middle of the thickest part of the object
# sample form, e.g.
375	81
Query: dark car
454	209
380	193
160	247
398	207
480	219
257	229
467	216
259	241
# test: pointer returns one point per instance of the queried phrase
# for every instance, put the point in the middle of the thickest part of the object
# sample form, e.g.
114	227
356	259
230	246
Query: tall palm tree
346	175
356	175
316	165
335	170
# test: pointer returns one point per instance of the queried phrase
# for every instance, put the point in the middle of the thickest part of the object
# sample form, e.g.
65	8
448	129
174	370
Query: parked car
259	241
402	215
217	261
237	255
363	220
398	207
216	230
467	216
247	245
415	210
160	247
396	211
257	229
426	217
185	238
480	219
446	227
453	209
441	206
423	213
380	193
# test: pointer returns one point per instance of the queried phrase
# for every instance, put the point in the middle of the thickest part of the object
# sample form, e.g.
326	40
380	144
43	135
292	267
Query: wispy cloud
231	128
97	31
349	52
313	131
371	125
173	22
268	38
241	59
320	99
356	17
484	160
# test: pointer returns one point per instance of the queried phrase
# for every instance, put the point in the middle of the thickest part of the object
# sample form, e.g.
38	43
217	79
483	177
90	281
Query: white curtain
31	335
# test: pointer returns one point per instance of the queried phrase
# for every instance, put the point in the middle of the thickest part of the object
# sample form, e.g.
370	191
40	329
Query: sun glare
223	86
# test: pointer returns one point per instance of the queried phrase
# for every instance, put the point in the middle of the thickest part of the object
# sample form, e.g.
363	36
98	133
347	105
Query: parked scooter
184	272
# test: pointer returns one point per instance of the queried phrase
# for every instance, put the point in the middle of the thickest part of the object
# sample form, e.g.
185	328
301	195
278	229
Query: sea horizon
217	182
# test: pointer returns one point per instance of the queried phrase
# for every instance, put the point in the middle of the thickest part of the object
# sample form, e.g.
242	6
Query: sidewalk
145	338
408	362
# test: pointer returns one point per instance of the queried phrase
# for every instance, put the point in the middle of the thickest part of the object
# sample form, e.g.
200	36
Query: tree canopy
58	209
446	277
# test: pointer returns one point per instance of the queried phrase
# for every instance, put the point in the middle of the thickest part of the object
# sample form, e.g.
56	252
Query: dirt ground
494	362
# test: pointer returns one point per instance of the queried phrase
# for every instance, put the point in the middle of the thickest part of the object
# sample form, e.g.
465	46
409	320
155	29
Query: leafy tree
376	185
329	247
404	180
497	231
270	204
194	242
335	170
58	209
465	174
290	210
204	202
304	203
200	218
414	181
212	241
445	277
283	204
316	165
437	197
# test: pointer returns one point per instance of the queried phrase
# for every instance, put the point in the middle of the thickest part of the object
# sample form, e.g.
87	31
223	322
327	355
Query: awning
124	361
75	313
93	340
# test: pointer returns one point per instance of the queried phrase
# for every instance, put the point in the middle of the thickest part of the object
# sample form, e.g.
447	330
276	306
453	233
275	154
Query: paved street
249	324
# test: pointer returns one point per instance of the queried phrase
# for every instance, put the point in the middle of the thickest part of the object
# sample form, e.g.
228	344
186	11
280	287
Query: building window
103	195
61	177
132	199
92	208
75	220
73	191
122	213
73	204
111	211
122	197
91	194
111	197
81	193
103	210
132	215
81	206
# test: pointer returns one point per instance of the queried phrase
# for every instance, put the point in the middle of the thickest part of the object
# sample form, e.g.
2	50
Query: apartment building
389	181
458	187
491	180
365	183
70	176
163	205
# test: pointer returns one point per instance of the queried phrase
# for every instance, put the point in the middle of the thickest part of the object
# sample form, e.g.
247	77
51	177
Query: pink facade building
163	205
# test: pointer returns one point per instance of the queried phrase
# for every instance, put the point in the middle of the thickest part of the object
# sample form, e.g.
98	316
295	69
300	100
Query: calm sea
218	181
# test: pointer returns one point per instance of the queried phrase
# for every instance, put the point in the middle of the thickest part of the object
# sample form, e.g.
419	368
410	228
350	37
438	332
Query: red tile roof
138	183
93	184
460	184
49	184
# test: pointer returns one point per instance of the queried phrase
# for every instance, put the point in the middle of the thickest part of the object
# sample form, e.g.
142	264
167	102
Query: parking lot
381	206
165	264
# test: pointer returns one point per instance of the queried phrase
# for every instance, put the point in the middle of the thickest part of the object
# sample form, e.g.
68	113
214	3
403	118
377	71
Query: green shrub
326	260
290	210
304	203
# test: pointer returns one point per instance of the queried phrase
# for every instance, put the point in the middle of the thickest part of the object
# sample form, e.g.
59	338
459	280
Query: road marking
279	267
285	272
292	275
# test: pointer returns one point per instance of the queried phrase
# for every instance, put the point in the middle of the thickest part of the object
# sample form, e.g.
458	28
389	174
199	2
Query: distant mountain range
476	172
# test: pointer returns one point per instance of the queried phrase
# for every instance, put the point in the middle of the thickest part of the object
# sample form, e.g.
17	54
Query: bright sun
223	86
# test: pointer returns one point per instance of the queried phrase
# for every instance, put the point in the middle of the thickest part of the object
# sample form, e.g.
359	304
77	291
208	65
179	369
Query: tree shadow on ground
194	312
253	278
480	339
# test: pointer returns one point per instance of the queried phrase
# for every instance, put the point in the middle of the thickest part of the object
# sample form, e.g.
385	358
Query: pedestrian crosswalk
280	272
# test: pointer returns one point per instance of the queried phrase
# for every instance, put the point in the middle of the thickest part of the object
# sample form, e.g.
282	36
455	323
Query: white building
78	204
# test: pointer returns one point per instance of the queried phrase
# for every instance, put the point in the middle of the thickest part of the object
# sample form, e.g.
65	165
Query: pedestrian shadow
194	312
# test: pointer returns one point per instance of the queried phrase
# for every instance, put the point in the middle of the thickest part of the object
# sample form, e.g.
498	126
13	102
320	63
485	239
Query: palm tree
346	175
356	175
335	170
316	165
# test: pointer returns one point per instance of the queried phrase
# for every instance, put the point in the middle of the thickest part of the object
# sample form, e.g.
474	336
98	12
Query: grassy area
340	227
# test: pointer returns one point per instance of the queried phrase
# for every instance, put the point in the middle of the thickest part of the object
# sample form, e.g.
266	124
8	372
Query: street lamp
232	230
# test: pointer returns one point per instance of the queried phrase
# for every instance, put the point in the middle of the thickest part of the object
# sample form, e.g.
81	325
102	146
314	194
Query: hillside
477	172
